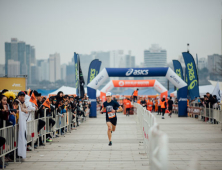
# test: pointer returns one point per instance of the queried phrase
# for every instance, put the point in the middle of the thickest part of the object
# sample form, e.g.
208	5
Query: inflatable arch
133	83
139	72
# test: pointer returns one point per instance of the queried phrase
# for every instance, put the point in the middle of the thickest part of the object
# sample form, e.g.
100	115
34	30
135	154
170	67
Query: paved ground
191	139
87	147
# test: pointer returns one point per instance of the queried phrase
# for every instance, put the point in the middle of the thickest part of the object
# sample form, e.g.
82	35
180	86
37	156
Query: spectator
22	142
59	97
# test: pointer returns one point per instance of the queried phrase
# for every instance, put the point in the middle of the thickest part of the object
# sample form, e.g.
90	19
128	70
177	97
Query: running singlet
109	107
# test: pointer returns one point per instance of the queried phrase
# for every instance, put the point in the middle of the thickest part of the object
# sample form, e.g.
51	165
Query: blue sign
191	73
137	72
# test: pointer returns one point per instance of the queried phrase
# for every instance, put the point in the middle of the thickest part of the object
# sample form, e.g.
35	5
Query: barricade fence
155	141
207	114
63	124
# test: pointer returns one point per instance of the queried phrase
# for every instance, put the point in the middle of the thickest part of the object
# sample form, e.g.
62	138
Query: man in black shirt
111	108
170	106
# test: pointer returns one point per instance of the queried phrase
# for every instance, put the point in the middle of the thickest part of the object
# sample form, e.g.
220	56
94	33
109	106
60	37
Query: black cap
21	93
38	94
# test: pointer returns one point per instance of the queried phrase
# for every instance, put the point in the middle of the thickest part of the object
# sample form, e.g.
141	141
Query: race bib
109	111
111	115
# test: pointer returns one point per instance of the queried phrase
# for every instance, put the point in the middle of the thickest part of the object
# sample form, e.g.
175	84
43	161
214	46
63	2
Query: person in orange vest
156	105
135	95
163	107
139	101
149	105
159	106
127	106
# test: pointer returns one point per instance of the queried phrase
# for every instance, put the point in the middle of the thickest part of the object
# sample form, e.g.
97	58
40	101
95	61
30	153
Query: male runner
111	108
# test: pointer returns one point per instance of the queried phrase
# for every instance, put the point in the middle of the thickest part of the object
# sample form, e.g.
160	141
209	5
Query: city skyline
107	31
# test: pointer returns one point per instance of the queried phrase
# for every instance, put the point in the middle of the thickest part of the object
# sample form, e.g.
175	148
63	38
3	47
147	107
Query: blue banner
137	72
178	68
94	68
76	62
191	73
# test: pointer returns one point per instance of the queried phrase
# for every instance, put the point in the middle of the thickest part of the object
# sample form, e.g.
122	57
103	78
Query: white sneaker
163	117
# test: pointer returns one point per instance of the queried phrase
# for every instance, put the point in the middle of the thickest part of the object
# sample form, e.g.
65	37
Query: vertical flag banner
94	68
81	80
191	73
76	73
178	68
217	92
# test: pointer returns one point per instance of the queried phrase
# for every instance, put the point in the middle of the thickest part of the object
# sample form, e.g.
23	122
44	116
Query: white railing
155	141
10	133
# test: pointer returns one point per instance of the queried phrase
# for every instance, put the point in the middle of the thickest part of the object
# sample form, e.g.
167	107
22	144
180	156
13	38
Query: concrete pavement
87	147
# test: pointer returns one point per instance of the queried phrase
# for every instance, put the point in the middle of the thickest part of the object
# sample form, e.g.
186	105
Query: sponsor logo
178	72
92	74
136	72
121	83
192	78
92	100
183	99
99	79
129	72
16	85
175	79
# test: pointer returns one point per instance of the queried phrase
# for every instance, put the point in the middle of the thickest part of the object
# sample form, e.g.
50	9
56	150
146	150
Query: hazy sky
65	26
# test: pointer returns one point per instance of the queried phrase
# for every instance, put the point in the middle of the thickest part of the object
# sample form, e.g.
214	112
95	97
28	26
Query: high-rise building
63	72
213	63
8	56
35	74
85	61
117	59
14	49
22	57
51	68
13	68
156	57
43	67
202	63
70	74
33	60
54	67
2	70
19	51
28	62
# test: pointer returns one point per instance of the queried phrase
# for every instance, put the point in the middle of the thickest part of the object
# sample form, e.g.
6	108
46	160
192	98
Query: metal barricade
158	149
155	141
10	134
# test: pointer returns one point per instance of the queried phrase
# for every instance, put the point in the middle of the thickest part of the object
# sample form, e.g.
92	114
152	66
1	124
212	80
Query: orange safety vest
159	102
128	104
149	105
135	93
163	104
138	101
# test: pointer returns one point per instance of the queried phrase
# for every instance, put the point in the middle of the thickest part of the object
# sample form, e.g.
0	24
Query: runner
111	108
170	106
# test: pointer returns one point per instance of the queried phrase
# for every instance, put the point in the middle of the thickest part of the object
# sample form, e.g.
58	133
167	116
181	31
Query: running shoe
110	143
48	140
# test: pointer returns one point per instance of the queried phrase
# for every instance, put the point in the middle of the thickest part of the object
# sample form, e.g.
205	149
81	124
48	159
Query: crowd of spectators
21	109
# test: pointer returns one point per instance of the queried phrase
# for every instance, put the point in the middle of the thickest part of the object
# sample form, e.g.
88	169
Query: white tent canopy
70	91
202	89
